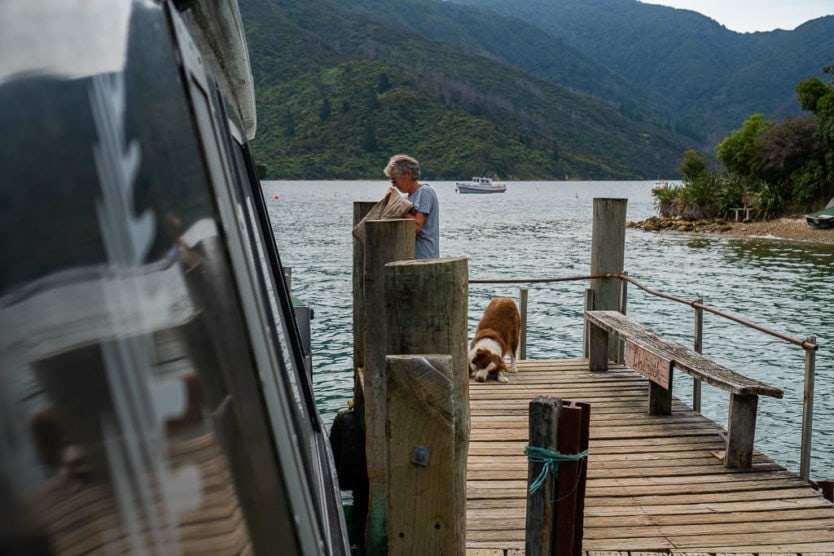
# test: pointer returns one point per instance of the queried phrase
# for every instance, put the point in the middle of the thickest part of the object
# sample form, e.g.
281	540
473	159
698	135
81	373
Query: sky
746	16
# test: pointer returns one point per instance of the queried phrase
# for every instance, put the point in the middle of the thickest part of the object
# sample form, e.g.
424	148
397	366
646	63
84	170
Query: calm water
543	230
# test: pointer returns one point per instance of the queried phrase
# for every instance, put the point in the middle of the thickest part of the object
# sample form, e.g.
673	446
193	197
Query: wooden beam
360	209
741	431
608	256
426	311
421	443
597	347
385	241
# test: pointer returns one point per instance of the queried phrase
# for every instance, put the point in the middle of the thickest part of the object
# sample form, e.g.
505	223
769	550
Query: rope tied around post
550	460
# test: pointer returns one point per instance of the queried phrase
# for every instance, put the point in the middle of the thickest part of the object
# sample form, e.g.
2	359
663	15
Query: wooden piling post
555	512
607	257
359	514
574	434
385	241
421	519
427	303
543	427
360	209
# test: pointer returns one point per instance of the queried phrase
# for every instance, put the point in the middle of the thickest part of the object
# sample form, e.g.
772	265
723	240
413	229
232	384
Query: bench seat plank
660	352
687	360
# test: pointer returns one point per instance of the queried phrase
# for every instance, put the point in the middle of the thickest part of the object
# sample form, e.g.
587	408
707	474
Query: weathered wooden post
427	303
385	241
543	426
421	445
557	471
574	434
355	466
360	209
607	257
741	431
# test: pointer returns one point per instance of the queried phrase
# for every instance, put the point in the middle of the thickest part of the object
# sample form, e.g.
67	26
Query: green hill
710	77
524	88
340	90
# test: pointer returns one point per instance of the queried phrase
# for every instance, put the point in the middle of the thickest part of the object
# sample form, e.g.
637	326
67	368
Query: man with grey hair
404	172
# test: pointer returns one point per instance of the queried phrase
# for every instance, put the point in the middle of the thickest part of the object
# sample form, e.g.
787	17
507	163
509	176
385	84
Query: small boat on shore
822	218
480	184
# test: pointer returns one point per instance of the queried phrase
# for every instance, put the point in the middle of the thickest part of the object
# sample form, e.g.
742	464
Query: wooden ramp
654	484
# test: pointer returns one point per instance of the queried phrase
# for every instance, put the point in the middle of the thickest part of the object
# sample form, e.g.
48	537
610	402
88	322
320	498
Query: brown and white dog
496	336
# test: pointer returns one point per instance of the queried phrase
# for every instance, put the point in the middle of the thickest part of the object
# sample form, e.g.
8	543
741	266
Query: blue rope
550	461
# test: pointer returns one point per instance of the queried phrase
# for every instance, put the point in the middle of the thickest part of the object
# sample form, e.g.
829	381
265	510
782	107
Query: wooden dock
655	484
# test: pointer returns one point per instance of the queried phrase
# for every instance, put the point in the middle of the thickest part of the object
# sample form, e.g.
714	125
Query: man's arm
419	220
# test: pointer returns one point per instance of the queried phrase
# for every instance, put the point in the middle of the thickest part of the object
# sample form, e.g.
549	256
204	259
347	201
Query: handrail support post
808	409
623	307
698	347
522	344
589	306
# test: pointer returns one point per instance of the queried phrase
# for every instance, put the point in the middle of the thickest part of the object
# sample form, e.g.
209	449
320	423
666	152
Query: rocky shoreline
789	228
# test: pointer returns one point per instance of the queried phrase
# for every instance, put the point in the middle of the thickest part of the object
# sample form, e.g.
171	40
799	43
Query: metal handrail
809	344
805	344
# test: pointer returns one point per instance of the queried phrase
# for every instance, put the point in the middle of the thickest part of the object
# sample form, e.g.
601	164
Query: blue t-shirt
428	240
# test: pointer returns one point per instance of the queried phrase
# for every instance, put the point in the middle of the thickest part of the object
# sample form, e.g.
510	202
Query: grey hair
400	164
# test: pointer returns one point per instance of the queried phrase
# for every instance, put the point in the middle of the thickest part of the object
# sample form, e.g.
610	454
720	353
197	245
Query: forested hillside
521	89
339	91
710	77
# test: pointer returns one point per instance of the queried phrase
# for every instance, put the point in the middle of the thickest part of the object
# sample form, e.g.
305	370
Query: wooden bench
655	357
746	208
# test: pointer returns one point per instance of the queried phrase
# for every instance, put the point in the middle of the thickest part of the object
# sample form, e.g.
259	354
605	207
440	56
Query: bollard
385	241
607	257
422	519
557	471
426	311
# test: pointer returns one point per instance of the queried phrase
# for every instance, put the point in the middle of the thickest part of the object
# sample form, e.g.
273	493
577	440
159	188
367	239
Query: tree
736	152
288	124
324	111
822	96
383	83
810	92
370	142
784	148
693	166
788	166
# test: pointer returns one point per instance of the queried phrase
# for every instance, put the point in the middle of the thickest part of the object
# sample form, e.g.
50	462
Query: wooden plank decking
654	483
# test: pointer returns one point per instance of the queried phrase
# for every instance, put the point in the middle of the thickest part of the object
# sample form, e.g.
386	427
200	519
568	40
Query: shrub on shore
776	169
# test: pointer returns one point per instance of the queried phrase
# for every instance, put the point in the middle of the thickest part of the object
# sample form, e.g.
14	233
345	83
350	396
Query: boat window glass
132	411
279	313
279	320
